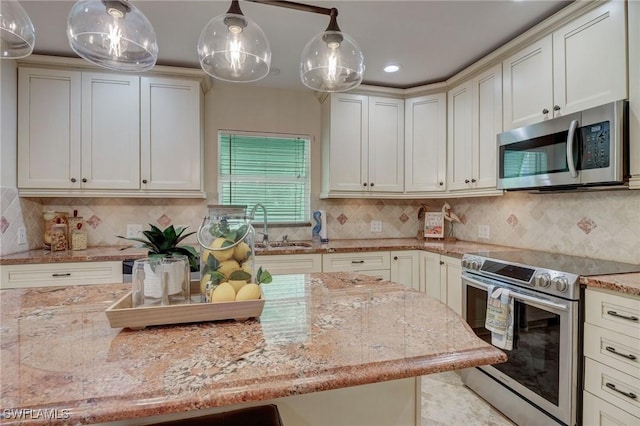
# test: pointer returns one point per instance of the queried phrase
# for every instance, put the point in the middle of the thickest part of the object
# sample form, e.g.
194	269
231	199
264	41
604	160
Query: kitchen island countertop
317	332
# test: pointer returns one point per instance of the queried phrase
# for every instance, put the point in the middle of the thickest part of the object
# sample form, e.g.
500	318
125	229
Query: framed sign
434	225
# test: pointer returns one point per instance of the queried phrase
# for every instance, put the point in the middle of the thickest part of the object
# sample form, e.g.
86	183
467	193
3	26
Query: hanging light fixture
113	34
234	48
332	61
17	35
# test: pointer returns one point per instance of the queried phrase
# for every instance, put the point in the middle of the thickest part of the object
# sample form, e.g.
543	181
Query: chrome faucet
265	231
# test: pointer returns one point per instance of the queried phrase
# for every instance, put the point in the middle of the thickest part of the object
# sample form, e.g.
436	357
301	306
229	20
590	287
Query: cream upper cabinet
49	128
475	118
425	144
581	65
363	144
84	133
110	131
170	135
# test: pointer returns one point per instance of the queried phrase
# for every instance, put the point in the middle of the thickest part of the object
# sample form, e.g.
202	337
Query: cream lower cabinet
612	359
374	263
559	74
60	274
405	268
440	278
290	263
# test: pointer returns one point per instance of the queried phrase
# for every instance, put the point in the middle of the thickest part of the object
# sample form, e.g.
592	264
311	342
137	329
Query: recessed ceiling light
391	68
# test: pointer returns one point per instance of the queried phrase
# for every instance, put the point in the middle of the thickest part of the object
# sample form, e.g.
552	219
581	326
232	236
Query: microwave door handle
570	140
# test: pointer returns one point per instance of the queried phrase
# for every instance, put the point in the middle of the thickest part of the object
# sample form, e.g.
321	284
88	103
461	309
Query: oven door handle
520	296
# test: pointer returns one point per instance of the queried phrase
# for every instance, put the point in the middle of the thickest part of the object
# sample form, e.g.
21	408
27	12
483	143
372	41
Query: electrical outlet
483	231
134	231
376	226
22	235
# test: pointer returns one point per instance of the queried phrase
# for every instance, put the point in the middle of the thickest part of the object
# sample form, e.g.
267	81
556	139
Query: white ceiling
431	40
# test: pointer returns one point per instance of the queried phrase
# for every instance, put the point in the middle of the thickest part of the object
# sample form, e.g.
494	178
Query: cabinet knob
364	184
466	181
144	181
371	183
73	180
84	180
442	262
395	257
473	180
545	111
556	107
441	183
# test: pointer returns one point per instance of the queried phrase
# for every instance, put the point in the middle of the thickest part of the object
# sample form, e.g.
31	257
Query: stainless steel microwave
583	149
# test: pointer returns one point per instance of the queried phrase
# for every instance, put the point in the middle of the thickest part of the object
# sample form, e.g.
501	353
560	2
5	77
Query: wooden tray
121	314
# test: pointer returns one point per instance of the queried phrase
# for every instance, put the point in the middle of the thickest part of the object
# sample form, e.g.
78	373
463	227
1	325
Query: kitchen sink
284	244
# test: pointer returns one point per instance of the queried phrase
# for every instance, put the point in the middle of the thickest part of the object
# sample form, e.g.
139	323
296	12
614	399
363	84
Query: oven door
542	367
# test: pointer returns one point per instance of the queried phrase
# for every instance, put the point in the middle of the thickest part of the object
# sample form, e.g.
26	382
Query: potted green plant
165	243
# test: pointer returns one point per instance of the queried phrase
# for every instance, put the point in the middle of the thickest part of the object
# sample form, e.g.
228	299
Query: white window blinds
268	169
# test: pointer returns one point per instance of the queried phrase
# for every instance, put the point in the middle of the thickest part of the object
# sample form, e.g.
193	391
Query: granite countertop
91	254
628	284
317	332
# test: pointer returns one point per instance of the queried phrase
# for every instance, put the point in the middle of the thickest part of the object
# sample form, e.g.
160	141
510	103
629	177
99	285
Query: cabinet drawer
56	274
356	262
613	312
290	263
613	386
613	349
597	412
383	274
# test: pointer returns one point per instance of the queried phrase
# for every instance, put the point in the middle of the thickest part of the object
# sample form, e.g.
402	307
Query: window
265	168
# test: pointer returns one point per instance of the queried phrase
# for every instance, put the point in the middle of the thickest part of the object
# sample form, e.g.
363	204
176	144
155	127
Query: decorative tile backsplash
603	225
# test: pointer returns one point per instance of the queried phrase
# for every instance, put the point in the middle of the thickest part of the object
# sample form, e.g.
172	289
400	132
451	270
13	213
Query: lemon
221	255
227	267
203	283
237	284
249	292
241	252
223	293
246	266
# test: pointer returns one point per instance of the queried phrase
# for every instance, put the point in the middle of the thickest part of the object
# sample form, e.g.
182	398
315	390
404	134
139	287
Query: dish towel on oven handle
499	319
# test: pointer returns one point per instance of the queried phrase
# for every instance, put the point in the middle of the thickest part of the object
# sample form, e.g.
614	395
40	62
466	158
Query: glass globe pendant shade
17	35
234	48
113	34
331	62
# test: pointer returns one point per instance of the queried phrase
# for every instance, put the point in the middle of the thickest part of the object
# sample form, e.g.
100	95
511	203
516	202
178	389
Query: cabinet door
487	123
425	143
590	60
452	281
170	133
48	128
110	131
405	268
528	85
346	121
460	152
290	263
430	276
386	145
601	413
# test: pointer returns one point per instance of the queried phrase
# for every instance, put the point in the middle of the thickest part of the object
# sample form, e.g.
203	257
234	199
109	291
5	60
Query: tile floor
446	401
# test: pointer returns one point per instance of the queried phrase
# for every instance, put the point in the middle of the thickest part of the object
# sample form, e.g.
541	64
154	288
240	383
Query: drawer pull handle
614	351
630	318
67	274
627	394
357	261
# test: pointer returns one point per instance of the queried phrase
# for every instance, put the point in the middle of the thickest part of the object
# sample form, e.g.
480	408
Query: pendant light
113	34
234	48
332	61
17	35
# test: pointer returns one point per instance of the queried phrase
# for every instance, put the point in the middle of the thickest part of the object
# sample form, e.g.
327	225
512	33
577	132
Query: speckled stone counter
317	332
628	284
92	254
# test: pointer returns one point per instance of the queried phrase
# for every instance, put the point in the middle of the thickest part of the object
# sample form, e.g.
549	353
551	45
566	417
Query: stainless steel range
539	384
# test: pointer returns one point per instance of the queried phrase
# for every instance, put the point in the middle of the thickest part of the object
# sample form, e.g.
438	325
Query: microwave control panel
595	146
